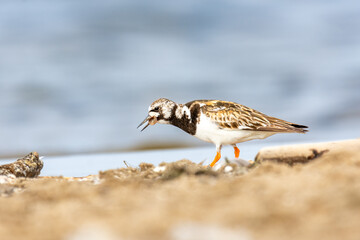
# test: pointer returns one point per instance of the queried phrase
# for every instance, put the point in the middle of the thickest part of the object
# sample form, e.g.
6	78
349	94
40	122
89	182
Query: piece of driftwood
303	153
28	166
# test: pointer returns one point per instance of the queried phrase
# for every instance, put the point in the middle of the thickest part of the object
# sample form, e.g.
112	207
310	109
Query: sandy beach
269	199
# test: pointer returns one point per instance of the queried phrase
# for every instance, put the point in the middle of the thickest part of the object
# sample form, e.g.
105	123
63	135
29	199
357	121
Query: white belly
210	132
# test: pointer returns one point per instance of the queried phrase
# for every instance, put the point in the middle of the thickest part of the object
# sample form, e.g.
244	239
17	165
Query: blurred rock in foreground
28	166
303	153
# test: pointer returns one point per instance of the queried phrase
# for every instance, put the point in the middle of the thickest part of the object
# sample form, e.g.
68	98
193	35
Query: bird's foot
217	157
237	152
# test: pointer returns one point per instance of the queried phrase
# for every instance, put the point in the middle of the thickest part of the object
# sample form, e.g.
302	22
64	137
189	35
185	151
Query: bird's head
159	112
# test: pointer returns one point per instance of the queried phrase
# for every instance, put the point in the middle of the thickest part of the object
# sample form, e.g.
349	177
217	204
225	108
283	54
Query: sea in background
78	76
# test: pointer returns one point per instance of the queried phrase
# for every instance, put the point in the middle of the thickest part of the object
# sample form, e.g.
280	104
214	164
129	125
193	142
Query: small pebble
159	169
228	169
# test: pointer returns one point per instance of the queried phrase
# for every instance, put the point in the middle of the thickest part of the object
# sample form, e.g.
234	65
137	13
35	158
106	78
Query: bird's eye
155	109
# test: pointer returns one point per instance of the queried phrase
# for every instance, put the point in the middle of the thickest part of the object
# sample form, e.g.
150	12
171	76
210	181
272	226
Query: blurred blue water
78	76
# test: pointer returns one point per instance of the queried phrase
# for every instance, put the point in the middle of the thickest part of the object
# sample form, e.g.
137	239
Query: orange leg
217	157
236	151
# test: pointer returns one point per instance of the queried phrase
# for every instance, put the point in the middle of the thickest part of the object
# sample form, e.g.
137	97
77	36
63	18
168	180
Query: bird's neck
184	117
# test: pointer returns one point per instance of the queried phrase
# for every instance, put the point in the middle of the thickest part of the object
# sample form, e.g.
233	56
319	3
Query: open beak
150	121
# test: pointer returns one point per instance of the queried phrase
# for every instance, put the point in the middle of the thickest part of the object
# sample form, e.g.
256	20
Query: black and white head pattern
161	110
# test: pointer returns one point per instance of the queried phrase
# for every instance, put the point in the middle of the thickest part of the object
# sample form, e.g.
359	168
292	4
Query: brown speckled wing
233	116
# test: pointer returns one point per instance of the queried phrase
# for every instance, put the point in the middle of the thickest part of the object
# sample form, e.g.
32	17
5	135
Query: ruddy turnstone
218	122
